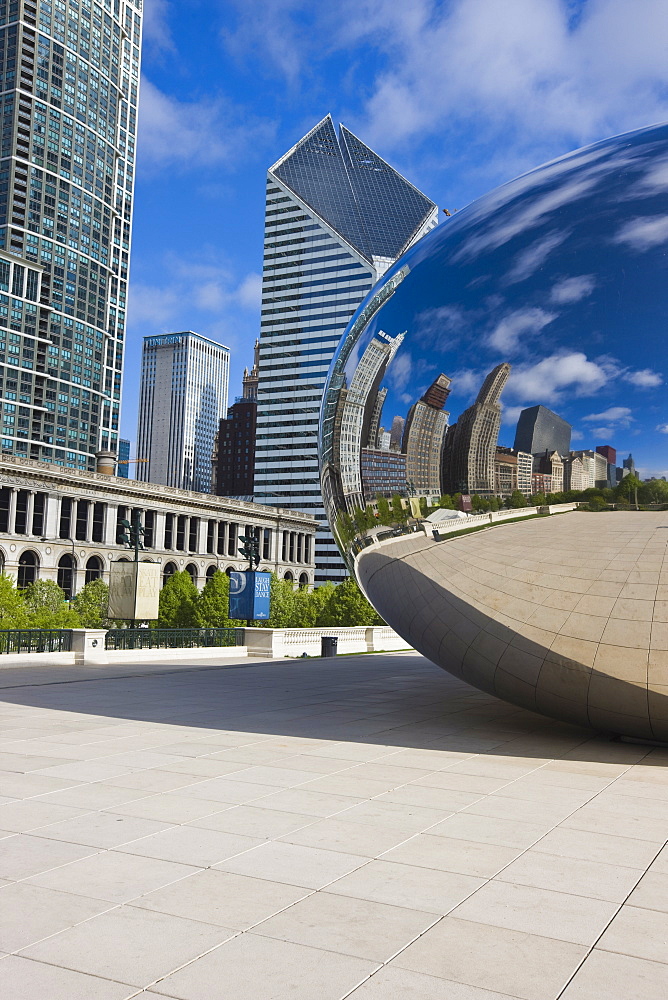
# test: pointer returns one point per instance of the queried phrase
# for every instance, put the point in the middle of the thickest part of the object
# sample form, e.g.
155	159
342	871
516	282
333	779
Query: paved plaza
366	827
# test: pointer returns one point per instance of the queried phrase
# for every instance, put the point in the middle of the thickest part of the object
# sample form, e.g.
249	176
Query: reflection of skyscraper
357	401
471	443
424	436
396	433
337	216
540	430
629	465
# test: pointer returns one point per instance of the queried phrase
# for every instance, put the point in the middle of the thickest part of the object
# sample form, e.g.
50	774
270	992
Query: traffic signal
250	549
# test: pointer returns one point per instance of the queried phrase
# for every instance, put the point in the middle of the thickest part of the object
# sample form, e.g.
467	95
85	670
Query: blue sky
459	96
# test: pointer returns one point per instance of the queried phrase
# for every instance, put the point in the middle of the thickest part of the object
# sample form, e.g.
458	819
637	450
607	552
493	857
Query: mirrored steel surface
550	291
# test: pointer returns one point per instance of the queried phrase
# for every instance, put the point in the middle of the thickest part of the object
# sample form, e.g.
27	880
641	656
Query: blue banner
250	596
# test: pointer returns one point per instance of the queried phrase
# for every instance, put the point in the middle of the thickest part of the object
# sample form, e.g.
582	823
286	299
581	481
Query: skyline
255	93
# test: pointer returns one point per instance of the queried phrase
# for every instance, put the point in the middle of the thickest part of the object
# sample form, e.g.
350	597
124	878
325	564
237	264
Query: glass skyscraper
69	82
337	216
182	397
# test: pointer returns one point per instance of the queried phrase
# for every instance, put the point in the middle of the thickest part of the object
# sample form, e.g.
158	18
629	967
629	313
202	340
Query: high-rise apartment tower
337	216
470	446
69	74
182	396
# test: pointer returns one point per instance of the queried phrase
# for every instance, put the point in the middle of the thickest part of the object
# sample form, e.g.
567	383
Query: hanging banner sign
250	596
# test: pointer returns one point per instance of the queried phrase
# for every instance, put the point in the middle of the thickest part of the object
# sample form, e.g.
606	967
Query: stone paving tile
129	945
391	983
191	845
651	892
407	885
494	958
30	814
264	969
451	855
222	898
583	878
21	979
23	855
29	913
310	867
638	932
348	925
605	974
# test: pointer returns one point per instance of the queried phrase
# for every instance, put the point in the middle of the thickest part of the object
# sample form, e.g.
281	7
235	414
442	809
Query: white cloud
516	326
545	381
618	416
644	233
510	414
662	428
532	259
194	134
645	378
157	34
576	435
572	289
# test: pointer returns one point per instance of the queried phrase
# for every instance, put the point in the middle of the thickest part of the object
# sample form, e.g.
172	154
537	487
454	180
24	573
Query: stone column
158	529
110	518
202	536
89	521
11	521
51	516
30	512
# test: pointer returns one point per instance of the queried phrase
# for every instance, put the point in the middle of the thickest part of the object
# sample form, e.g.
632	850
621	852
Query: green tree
48	607
384	512
424	507
213	604
494	503
348	607
446	502
628	489
309	605
456	501
538	500
178	599
399	515
656	491
13	610
91	604
284	605
598	503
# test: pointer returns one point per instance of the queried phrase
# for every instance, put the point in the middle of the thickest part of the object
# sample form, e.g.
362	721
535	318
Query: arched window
66	567
94	569
288	576
230	569
303	579
2	562
192	570
169	570
211	571
28	569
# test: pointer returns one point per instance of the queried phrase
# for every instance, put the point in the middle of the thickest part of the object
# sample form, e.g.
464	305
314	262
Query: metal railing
172	638
35	640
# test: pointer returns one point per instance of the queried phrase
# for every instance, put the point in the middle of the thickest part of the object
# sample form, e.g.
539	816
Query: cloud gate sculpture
511	352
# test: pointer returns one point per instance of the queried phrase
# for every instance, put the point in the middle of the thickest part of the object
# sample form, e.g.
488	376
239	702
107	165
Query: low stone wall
88	647
283	642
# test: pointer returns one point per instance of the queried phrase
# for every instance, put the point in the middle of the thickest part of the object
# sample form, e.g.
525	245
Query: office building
551	464
123	463
610	455
233	460
67	163
337	216
629	465
182	397
595	468
540	430
424	438
470	448
64	525
383	473
575	474
541	482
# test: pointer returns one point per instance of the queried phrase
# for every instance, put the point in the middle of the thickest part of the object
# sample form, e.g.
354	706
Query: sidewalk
364	827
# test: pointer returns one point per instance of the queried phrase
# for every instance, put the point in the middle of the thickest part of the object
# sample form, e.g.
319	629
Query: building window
94	569
28	569
66	566
169	570
191	569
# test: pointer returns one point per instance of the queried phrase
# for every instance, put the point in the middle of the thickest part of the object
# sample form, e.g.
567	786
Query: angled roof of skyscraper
347	185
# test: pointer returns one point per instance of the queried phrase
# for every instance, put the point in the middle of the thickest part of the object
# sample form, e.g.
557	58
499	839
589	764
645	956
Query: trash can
328	644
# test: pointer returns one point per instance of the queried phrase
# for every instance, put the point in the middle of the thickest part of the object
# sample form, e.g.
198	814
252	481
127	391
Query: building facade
383	473
337	216
234	451
540	430
123	463
551	464
470	450
60	524
424	438
182	397
67	163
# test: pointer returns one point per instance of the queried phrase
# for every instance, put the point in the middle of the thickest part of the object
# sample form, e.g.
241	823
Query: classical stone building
62	524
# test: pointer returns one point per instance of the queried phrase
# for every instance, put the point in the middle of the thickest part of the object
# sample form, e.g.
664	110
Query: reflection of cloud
644	233
572	289
619	416
645	378
543	382
431	324
399	372
662	428
517	325
655	180
533	258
